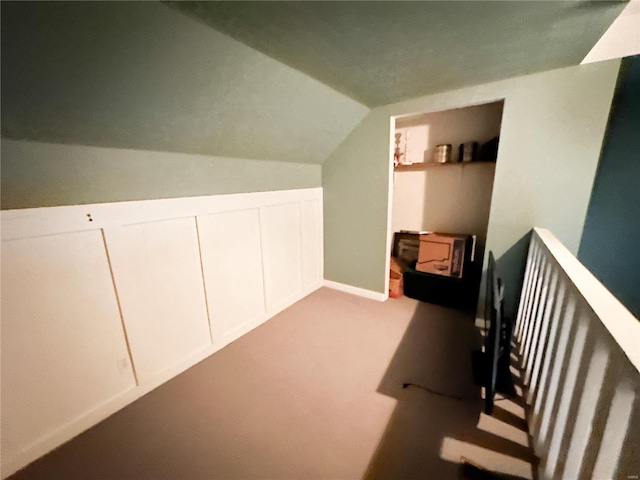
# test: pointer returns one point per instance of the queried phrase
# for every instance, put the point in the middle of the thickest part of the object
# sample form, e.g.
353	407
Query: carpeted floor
314	393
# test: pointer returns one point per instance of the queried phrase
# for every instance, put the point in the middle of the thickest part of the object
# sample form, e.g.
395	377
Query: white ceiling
622	39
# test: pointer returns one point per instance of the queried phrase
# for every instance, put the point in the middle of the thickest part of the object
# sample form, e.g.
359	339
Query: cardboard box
396	267
396	287
396	284
442	254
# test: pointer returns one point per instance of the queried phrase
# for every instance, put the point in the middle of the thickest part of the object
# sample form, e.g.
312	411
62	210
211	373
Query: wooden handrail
580	357
623	326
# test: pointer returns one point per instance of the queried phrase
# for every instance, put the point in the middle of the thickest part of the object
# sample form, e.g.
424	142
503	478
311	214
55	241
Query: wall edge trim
360	292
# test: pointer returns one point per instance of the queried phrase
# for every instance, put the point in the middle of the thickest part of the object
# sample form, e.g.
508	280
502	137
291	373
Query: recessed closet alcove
454	196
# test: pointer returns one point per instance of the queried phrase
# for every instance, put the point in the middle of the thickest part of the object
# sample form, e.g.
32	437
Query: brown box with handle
442	254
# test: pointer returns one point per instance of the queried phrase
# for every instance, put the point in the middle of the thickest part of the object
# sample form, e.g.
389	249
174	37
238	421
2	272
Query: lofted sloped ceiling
262	80
386	51
139	75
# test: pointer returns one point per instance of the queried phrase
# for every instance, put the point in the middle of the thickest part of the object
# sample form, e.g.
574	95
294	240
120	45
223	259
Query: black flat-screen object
493	321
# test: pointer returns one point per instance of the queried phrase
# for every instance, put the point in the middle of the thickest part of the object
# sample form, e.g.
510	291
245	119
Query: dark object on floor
446	291
471	471
440	394
497	346
480	371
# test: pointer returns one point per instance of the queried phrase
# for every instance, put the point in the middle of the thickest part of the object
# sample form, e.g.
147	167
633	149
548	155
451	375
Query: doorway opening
443	166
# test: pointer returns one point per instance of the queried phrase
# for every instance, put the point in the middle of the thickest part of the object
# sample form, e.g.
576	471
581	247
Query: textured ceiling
142	76
383	52
257	85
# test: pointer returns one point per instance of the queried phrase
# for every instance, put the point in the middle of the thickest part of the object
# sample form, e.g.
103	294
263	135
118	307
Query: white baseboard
95	415
361	292
99	413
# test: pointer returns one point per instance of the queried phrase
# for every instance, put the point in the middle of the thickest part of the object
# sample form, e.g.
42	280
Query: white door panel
281	238
156	267
63	347
311	244
232	266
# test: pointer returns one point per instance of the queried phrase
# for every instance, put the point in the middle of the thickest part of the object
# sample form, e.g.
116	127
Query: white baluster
579	349
533	369
629	458
589	400
537	392
526	287
569	381
549	401
616	429
544	306
526	341
535	268
607	391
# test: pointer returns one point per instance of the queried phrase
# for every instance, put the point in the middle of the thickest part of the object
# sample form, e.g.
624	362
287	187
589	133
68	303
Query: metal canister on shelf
468	152
443	153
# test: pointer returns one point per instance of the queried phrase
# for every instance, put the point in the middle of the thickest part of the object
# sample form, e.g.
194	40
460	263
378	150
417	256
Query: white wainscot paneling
65	361
312	246
64	352
232	266
157	272
281	249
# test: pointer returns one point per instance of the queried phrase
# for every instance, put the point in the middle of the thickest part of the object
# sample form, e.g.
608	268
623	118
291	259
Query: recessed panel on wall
310	215
95	297
281	239
232	266
157	272
63	347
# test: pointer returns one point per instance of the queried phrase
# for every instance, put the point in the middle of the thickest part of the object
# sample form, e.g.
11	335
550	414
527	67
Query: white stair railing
579	350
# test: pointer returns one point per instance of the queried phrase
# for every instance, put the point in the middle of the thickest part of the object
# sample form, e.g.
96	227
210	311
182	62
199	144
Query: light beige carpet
314	393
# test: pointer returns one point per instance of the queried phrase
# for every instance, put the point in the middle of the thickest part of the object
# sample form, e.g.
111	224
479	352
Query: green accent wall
552	130
38	174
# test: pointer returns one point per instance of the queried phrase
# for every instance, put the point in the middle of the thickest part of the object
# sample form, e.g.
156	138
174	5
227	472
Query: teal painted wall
552	131
38	174
610	245
139	75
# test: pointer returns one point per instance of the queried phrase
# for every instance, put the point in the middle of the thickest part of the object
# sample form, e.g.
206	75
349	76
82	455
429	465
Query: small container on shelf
468	152
443	153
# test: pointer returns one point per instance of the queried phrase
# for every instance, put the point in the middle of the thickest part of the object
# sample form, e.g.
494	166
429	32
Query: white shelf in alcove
423	166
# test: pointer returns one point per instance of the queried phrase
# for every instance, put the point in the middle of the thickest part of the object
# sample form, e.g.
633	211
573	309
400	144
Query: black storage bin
427	287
